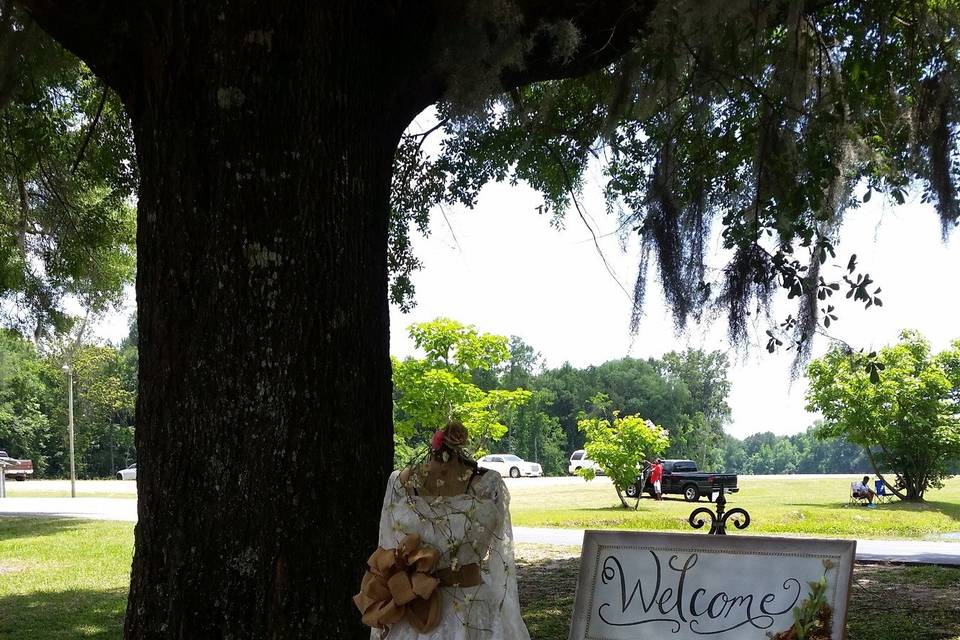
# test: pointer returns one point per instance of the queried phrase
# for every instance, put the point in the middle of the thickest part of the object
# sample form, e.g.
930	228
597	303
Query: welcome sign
682	586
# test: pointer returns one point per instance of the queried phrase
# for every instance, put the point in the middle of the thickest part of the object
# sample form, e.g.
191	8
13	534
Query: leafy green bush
619	447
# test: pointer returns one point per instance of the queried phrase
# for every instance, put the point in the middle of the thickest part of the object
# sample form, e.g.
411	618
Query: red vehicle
19	469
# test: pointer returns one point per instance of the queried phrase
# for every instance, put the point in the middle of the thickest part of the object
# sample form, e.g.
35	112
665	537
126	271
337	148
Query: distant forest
684	392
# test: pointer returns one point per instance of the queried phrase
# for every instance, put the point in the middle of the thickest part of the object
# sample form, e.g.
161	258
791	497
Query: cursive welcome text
664	594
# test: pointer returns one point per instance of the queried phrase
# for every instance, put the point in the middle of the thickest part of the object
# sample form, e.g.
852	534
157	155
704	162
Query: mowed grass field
798	505
65	579
809	505
61	489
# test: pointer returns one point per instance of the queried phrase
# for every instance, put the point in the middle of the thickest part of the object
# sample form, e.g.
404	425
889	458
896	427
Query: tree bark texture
265	144
265	132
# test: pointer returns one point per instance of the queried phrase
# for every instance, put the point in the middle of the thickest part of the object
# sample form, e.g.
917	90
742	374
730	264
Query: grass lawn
799	506
61	489
66	579
63	579
804	506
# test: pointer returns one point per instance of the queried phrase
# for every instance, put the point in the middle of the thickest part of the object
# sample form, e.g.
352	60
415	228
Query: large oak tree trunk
265	133
264	415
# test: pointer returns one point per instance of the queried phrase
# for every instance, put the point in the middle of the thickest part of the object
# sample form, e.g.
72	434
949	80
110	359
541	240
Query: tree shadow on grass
894	602
546	589
35	527
949	509
615	509
647	505
833	506
63	615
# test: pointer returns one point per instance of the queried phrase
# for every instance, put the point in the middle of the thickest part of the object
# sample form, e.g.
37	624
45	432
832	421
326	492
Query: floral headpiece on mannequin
450	439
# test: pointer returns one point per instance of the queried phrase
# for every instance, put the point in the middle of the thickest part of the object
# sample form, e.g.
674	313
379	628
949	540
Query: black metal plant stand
718	520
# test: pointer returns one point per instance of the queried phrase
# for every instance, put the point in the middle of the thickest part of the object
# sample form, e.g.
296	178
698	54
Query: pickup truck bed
16	469
682	477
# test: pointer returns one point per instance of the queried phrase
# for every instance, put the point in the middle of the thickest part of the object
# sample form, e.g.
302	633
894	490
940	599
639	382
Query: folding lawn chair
854	498
881	491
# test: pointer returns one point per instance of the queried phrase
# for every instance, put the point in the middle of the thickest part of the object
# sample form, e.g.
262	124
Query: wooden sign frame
641	585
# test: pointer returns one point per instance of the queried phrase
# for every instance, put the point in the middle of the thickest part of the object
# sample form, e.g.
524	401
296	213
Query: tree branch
876	470
93	127
608	29
99	32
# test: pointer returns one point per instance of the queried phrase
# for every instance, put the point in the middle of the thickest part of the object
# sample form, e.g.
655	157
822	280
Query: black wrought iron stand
718	520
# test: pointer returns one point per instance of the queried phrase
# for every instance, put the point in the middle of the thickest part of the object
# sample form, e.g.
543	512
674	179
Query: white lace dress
465	529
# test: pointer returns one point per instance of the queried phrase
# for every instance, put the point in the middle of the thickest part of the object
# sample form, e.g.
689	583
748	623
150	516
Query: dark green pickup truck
682	477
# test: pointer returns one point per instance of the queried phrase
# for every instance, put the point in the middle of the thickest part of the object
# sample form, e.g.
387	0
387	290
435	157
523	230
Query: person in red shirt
656	473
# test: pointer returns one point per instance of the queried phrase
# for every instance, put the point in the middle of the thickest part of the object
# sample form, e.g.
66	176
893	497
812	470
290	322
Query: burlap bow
400	583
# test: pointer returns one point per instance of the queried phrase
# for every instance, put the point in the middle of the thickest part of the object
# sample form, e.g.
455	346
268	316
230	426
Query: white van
579	460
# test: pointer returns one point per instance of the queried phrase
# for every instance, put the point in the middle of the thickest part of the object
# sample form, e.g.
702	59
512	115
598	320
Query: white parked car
507	464
130	473
579	460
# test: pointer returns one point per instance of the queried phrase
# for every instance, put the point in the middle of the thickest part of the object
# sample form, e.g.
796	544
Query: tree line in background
511	402
768	454
33	403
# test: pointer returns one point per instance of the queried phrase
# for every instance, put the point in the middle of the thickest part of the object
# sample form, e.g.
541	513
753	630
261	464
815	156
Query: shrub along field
789	505
66	579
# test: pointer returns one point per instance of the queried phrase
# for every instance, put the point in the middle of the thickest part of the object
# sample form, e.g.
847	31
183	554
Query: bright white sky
502	268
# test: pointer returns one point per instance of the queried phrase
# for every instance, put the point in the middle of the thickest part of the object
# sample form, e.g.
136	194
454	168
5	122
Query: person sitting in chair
862	491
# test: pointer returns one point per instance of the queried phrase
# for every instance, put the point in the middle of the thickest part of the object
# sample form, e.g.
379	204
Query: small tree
430	391
899	406
620	446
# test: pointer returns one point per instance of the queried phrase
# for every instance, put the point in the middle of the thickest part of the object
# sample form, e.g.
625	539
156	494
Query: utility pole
73	468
